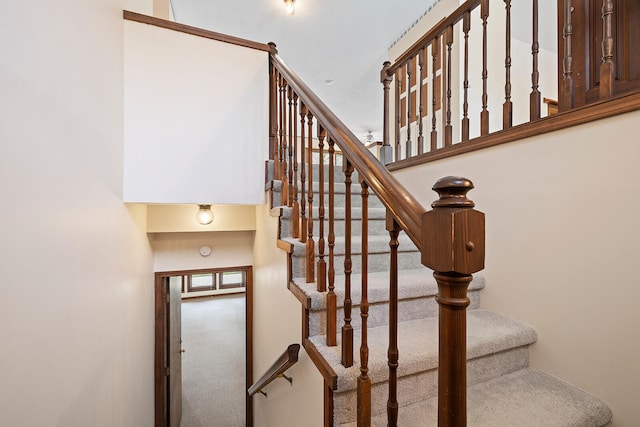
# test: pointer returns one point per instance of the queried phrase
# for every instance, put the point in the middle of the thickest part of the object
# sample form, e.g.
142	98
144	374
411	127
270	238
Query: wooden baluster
364	382
434	56
507	107
466	26
291	120
295	214
285	177
448	129
347	329
392	354
567	93
397	107
303	175
321	280
484	115
534	98
310	243
608	66
453	247
273	121
386	152
280	133
419	90
332	305
407	148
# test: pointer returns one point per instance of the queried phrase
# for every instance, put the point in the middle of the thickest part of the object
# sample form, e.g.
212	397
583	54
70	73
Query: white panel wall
76	295
196	119
562	235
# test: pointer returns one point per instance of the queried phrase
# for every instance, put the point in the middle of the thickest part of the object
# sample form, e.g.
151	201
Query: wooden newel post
453	242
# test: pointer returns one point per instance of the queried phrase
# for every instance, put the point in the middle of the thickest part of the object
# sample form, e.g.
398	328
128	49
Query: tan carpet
213	366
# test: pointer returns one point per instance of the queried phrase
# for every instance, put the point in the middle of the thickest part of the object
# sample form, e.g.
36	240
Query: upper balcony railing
468	83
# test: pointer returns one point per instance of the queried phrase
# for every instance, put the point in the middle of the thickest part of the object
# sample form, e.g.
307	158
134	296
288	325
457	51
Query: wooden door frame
160	383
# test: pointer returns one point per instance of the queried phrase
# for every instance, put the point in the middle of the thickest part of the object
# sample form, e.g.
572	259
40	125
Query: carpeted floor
213	366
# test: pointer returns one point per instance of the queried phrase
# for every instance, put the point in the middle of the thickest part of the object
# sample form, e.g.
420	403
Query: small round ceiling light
204	215
290	5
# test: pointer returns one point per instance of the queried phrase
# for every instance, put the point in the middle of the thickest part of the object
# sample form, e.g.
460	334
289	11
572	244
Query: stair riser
425	385
408	309
377	227
377	262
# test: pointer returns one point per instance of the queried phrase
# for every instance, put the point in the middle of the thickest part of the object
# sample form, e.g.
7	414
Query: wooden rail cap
453	232
284	362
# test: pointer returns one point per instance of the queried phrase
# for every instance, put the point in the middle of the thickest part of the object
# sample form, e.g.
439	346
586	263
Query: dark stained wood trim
279	367
328	405
160	386
194	31
285	246
586	114
323	366
300	296
249	345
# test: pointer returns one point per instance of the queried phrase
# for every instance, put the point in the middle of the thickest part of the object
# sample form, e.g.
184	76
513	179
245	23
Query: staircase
503	390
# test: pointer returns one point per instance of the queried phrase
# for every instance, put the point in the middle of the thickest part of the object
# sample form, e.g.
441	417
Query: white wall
277	322
195	109
180	251
76	296
562	232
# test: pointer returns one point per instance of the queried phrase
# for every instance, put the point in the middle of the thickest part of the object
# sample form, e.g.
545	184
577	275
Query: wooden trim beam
194	31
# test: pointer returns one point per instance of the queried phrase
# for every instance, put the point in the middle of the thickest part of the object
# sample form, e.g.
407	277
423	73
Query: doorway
196	348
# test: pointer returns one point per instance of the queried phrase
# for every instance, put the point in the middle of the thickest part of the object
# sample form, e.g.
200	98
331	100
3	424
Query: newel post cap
453	234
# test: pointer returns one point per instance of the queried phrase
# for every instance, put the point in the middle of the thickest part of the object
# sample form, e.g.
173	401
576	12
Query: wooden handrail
194	31
279	367
404	207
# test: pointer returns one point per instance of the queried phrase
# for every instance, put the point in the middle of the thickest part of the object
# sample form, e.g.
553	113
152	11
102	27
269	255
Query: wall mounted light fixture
291	6
204	215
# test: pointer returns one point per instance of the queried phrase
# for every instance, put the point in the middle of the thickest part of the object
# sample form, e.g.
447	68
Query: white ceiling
341	40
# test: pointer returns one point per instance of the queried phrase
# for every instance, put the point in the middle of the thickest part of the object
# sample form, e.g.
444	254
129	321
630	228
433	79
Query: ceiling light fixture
204	215
291	6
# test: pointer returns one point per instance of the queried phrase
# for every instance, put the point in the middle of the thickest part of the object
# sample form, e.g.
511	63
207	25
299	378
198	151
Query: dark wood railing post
448	129
507	107
303	175
409	75
484	114
453	247
608	66
332	305
310	242
321	277
566	94
347	329
398	114
386	152
291	120
273	116
534	98
364	382
419	98
392	353
283	141
434	57
466	26
295	215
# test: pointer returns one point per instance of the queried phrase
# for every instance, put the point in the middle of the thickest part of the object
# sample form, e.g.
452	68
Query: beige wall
277	323
76	296
182	218
562	233
181	251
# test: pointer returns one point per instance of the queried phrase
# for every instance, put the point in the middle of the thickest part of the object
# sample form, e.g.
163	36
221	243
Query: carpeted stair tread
377	244
487	333
525	398
415	283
